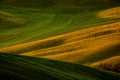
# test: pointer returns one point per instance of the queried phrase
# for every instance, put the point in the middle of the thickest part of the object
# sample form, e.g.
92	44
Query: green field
39	23
83	32
14	67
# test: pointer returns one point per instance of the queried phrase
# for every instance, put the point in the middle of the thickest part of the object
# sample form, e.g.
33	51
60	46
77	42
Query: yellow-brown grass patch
110	13
84	46
110	61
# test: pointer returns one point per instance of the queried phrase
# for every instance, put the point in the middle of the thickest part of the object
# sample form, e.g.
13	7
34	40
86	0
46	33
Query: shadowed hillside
63	6
14	67
78	31
92	4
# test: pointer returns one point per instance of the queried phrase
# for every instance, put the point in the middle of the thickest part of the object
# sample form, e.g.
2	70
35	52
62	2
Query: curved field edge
111	64
20	67
109	61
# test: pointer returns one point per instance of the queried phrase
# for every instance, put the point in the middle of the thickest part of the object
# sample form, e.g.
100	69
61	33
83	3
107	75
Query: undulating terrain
25	24
80	32
32	68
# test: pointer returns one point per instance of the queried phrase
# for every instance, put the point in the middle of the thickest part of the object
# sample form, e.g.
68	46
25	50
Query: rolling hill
102	42
112	64
41	23
16	67
78	31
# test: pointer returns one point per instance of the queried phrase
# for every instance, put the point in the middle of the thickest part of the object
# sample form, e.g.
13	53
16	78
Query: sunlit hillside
111	64
110	13
84	46
85	32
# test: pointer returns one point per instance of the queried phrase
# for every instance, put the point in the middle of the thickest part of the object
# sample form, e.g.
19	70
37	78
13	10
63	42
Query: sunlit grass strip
110	13
77	47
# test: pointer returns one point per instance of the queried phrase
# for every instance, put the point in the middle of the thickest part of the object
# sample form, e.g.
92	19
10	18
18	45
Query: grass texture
25	24
32	68
101	43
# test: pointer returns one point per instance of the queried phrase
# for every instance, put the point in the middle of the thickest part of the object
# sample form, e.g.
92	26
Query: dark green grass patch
33	68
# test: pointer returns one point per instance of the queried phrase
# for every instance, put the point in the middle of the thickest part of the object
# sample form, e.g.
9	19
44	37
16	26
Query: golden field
86	46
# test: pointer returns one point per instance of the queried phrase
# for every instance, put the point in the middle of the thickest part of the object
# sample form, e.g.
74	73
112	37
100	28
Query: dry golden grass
111	64
110	61
84	46
30	46
110	13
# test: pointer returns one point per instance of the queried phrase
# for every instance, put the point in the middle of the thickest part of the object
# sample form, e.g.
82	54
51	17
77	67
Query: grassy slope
44	23
101	43
109	61
29	68
8	21
61	19
112	64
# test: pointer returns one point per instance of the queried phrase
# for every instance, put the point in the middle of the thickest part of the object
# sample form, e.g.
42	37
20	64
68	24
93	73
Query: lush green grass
28	20
14	67
24	22
46	18
43	24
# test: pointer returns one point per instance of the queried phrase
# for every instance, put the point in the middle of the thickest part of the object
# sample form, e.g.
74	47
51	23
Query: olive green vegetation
16	67
29	24
10	21
29	20
50	3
